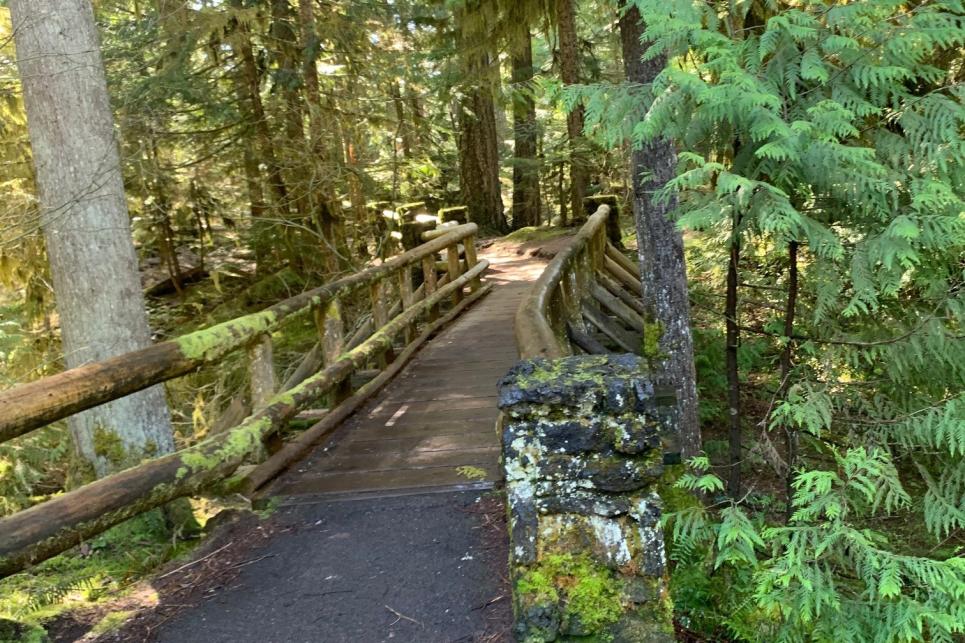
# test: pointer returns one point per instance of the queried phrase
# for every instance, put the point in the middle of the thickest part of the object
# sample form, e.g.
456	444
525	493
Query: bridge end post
583	450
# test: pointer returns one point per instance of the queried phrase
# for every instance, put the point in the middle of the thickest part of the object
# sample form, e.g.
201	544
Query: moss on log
48	529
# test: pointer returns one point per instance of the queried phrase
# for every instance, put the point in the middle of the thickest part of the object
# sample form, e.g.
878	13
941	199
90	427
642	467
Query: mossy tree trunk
661	248
85	220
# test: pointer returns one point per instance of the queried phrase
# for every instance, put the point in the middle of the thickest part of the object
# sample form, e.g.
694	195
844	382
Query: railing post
261	372
455	270
331	332
430	285
572	301
405	290
380	317
471	259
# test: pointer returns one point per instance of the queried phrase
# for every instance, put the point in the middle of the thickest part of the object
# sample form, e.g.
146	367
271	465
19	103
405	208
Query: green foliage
102	568
838	127
821	577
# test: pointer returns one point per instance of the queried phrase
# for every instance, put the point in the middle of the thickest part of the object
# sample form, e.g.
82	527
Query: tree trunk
733	375
479	149
661	249
526	197
85	221
787	356
323	198
570	74
250	82
288	79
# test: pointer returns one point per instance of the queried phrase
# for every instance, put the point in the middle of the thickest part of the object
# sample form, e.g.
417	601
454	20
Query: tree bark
288	81
85	220
526	195
660	245
250	82
733	374
478	146
570	74
323	199
787	356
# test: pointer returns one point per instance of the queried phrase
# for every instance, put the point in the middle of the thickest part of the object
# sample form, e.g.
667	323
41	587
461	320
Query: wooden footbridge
422	419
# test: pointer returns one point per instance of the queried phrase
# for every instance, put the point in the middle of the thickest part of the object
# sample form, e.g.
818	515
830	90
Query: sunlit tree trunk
479	156
476	120
85	222
661	249
570	74
526	194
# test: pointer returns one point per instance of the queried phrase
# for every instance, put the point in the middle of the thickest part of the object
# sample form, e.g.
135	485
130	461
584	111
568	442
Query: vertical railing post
406	292
429	281
455	270
261	372
380	317
471	260
331	332
572	298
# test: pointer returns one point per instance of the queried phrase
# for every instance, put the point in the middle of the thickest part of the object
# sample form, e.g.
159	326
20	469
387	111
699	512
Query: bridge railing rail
398	309
587	300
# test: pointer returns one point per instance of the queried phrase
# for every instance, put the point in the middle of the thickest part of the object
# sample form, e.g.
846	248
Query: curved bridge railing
586	301
398	309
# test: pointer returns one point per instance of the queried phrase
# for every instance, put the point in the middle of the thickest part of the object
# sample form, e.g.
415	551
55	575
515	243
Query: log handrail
49	528
556	296
30	406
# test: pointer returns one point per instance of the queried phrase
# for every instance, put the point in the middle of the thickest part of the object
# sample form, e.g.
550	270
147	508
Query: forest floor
410	567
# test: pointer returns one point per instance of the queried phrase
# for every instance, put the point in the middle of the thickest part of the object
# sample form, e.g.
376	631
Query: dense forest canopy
809	155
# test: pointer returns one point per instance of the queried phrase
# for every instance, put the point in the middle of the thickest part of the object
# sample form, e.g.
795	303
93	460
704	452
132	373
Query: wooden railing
588	299
398	309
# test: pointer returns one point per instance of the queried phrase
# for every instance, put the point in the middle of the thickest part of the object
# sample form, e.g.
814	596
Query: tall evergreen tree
526	191
476	115
85	221
660	244
569	59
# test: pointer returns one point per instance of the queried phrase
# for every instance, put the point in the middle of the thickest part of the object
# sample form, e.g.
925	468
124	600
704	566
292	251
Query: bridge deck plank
435	418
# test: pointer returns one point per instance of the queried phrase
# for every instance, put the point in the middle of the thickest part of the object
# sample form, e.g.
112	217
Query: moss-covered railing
398	309
586	301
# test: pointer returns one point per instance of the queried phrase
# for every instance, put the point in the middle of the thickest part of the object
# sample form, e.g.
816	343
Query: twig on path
489	602
252	561
402	616
195	562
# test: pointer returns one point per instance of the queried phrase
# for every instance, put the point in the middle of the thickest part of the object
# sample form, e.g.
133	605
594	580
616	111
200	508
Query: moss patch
111	622
213	342
534	233
586	591
652	332
108	445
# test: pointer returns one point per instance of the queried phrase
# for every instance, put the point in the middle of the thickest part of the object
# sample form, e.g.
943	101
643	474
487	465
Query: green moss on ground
102	570
536	233
111	622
